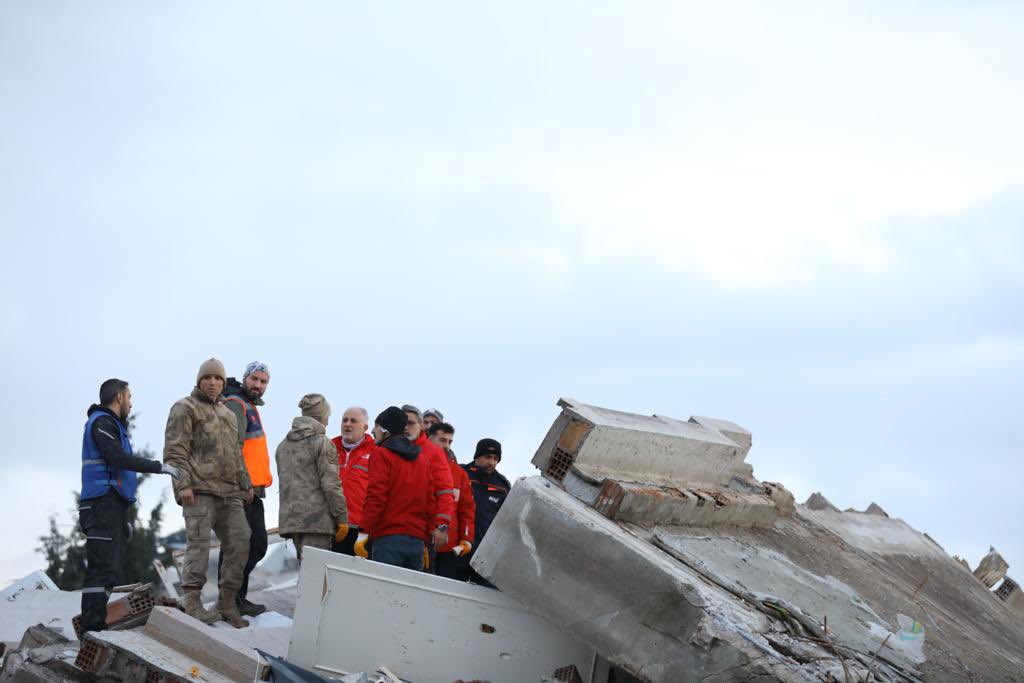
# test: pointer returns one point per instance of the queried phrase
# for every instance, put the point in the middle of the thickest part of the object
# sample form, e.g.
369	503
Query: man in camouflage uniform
313	511
202	441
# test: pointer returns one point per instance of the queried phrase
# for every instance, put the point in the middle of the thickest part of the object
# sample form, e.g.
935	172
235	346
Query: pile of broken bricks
645	551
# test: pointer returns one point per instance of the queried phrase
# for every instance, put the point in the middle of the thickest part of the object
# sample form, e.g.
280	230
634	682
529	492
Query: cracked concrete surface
816	594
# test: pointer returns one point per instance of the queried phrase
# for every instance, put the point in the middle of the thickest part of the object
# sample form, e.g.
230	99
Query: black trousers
347	545
447	565
104	521
257	544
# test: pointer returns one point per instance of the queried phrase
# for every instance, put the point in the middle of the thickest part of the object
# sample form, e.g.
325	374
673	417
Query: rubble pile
645	551
648	539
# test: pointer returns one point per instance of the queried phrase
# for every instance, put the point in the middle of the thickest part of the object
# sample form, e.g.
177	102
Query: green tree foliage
65	554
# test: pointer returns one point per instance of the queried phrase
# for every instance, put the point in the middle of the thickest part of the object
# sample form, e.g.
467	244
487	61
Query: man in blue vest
108	488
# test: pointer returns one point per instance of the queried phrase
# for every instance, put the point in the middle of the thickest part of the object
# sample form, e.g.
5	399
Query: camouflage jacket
312	501
202	441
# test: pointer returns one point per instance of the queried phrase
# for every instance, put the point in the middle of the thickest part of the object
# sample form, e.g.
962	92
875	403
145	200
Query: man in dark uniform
109	482
489	492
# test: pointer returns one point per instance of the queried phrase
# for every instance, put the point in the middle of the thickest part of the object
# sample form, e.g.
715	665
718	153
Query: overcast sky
804	217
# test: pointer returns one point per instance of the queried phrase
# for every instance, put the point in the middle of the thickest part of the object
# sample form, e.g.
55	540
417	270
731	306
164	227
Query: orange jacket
254	444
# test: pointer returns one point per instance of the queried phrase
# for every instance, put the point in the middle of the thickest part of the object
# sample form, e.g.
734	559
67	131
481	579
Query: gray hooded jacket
312	501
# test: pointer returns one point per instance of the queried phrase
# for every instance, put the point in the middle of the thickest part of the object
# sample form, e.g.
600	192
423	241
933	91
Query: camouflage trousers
226	517
311	541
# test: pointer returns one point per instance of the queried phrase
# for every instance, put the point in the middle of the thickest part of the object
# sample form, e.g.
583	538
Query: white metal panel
356	615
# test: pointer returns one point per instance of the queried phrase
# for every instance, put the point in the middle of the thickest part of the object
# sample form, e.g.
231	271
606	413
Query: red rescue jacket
442	510
354	470
465	509
398	495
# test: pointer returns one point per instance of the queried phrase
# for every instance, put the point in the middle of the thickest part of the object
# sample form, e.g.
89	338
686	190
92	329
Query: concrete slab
874	533
37	580
136	656
634	604
599	444
744	567
690	506
24	608
214	649
354	615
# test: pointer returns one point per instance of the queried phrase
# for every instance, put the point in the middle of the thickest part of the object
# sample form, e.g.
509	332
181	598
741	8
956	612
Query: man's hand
341	533
171	470
186	497
249	495
462	548
439	537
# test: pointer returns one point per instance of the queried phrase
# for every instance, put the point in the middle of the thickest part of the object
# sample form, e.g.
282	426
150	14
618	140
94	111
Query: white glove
171	470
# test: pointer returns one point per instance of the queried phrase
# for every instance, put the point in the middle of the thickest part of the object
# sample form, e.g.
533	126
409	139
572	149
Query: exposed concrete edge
194	639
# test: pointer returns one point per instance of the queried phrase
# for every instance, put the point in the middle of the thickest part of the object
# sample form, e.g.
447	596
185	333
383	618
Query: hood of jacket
304	427
234	388
400	445
97	408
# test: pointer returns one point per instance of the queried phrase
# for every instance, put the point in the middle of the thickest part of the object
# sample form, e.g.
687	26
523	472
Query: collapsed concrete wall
608	444
992	568
676	578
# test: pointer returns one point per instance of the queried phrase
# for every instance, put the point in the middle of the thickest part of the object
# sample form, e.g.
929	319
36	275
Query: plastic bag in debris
911	635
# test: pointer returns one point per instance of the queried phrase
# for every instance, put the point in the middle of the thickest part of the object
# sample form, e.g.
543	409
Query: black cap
487	447
393	420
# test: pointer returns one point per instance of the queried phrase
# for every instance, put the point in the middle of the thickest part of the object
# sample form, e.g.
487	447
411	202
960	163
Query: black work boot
250	609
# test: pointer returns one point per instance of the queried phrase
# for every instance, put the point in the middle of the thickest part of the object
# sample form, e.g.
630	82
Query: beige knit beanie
315	406
211	366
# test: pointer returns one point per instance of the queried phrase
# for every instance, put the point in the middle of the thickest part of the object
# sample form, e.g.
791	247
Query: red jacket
354	470
398	495
465	512
442	498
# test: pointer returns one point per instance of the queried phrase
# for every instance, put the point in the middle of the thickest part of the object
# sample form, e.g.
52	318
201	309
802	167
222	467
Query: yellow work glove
360	546
426	558
462	548
341	533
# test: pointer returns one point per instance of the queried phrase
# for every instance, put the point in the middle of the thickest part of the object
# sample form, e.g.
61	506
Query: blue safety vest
98	477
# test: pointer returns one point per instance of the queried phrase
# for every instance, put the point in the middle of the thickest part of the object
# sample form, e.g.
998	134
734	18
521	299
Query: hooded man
202	441
354	449
490	489
396	513
243	399
108	488
313	511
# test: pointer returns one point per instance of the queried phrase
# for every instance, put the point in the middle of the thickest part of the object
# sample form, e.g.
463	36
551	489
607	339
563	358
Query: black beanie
393	420
487	447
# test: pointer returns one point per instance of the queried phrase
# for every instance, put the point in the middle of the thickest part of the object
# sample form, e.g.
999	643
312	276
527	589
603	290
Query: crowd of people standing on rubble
391	491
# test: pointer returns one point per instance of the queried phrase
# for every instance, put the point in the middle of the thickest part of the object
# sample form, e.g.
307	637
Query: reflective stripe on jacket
98	476
442	492
465	509
254	445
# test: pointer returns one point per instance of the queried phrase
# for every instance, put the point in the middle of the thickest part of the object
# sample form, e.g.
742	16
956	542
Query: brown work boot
229	609
192	605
